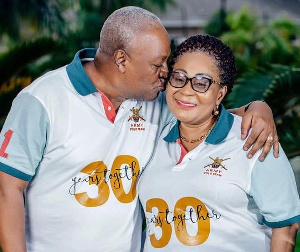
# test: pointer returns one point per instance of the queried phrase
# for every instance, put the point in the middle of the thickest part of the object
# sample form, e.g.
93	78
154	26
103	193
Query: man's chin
148	97
153	97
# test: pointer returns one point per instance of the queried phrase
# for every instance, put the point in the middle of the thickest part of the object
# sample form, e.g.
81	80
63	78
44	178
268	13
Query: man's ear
121	59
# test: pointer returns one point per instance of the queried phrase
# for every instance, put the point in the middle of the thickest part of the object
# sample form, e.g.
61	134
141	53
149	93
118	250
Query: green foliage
288	29
18	57
217	24
286	82
279	86
266	84
297	248
288	128
283	95
245	19
43	14
274	48
249	87
267	59
258	45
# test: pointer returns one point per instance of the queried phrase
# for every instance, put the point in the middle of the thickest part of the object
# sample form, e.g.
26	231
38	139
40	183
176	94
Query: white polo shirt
214	198
82	161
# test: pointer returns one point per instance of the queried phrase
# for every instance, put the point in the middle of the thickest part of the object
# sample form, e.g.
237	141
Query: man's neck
103	84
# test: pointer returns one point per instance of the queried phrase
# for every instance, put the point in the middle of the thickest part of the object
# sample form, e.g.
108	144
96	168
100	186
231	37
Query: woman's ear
121	59
221	94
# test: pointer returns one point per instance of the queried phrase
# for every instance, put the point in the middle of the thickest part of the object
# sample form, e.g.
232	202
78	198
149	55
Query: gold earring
216	110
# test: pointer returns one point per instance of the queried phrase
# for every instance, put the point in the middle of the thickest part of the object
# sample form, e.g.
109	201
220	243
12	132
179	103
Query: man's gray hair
122	26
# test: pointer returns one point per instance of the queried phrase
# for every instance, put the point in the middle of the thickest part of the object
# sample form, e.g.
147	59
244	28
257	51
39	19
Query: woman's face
191	107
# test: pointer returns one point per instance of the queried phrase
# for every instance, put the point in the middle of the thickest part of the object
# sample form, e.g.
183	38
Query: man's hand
259	117
284	239
12	216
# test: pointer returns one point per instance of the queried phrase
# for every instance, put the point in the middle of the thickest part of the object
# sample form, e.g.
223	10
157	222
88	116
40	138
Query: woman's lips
185	104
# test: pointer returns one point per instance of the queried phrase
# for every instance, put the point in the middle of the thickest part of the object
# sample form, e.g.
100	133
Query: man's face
147	69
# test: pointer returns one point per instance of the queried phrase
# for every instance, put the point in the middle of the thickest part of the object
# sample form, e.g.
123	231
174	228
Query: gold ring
270	138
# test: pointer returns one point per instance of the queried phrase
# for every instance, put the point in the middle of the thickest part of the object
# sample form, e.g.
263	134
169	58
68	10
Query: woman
201	192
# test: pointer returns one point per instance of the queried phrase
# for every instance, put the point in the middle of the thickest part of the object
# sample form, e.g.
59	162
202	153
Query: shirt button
109	108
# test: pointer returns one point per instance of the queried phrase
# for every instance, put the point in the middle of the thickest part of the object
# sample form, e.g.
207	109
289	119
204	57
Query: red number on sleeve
8	134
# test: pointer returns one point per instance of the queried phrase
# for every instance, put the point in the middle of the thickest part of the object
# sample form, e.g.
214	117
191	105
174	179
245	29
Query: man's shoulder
51	82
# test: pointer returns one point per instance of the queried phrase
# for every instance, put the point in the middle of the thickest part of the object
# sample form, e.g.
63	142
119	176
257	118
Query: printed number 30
182	234
97	169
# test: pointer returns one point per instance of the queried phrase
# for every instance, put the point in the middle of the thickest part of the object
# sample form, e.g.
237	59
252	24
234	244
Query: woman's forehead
197	62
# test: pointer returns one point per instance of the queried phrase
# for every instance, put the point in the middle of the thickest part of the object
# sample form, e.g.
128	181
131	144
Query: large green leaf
284	92
15	59
249	87
289	134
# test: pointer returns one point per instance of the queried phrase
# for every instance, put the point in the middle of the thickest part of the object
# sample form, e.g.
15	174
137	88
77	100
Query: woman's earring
216	110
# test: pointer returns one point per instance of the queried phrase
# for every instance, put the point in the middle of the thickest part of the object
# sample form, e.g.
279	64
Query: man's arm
12	217
283	239
22	143
259	117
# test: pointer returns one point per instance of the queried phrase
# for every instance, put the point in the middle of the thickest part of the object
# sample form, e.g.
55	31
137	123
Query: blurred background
37	36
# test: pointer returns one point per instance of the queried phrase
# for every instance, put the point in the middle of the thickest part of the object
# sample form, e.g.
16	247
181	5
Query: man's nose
164	71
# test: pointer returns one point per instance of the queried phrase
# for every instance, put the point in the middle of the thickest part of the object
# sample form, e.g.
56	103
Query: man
77	139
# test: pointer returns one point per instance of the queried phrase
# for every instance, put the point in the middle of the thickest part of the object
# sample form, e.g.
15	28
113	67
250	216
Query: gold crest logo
215	168
135	115
137	119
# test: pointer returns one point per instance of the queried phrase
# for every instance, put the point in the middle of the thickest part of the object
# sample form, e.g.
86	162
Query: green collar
77	74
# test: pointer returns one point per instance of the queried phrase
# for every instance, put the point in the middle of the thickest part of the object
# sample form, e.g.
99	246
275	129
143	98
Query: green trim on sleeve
14	172
284	223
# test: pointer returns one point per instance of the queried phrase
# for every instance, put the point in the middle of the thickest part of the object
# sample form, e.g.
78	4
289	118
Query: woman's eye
179	80
201	84
158	66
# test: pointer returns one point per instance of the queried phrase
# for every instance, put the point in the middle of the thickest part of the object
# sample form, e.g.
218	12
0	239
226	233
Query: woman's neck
192	135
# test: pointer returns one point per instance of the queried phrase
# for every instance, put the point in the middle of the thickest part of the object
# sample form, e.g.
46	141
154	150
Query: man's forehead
162	57
157	33
156	44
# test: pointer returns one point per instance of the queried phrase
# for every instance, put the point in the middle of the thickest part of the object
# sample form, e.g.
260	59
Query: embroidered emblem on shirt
137	119
216	167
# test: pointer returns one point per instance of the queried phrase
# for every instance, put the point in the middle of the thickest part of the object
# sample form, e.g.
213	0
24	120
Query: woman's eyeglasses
200	83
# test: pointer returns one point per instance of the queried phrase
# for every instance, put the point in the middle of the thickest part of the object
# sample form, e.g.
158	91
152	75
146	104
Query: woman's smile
185	104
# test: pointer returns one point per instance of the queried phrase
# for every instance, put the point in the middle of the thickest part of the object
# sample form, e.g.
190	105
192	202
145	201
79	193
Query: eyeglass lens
200	83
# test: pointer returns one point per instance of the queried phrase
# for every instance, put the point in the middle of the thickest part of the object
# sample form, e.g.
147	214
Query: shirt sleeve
274	190
23	137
